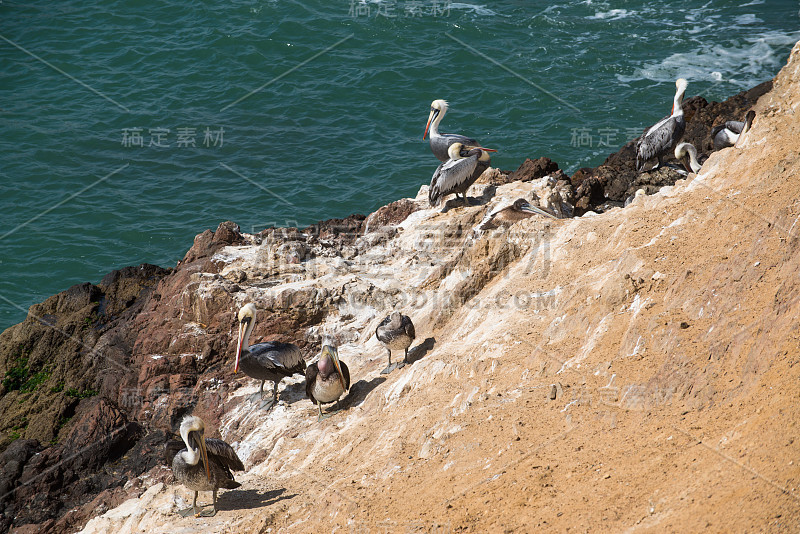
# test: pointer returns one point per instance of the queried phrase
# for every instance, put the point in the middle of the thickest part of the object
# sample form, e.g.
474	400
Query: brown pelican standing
520	209
327	379
205	464
687	154
662	137
727	134
396	332
271	360
441	142
465	165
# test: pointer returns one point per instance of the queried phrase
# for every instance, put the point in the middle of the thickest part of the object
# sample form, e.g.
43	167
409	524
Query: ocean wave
614	14
479	10
742	65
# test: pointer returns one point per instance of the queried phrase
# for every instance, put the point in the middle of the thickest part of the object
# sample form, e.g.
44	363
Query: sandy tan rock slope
632	371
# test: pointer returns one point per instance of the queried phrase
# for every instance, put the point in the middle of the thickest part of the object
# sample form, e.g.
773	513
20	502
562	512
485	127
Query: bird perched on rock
271	360
632	198
440	143
455	175
327	379
520	209
662	137
726	135
687	155
205	464
396	332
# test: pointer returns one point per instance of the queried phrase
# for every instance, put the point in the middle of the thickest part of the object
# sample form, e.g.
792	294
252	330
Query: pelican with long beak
726	135
327	379
205	464
271	360
686	153
440	143
520	209
661	138
458	173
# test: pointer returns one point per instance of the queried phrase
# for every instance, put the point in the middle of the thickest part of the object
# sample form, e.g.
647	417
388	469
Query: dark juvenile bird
520	209
396	332
204	464
726	135
455	175
327	379
661	138
271	360
441	142
687	154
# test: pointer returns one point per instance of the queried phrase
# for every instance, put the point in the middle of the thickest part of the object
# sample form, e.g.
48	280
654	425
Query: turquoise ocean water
129	127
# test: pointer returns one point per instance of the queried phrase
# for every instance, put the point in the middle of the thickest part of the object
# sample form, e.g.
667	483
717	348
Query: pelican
631	199
662	137
396	332
520	209
687	154
465	165
727	134
441	142
271	360
210	474
327	379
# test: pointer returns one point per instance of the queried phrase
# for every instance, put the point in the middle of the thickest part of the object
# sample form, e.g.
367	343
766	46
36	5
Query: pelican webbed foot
389	368
267	404
208	512
192	510
400	365
322	416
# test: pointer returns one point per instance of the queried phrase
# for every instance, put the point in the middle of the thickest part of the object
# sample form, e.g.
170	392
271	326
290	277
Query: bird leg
330	412
321	417
269	404
405	360
390	367
255	397
209	513
186	512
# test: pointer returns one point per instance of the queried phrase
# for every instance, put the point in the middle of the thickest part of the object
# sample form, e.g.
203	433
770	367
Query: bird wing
279	356
717	129
409	327
440	144
346	373
311	376
383	323
735	126
449	175
172	448
658	138
223	453
458	138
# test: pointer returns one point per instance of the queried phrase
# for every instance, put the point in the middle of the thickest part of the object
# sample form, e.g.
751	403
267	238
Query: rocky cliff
634	369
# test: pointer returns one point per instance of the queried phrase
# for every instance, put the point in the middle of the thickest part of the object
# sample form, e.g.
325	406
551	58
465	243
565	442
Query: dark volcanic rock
390	214
337	232
533	170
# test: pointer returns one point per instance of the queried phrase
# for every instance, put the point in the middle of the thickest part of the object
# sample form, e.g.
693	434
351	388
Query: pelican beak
204	453
434	113
333	352
538	211
482	148
242	327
